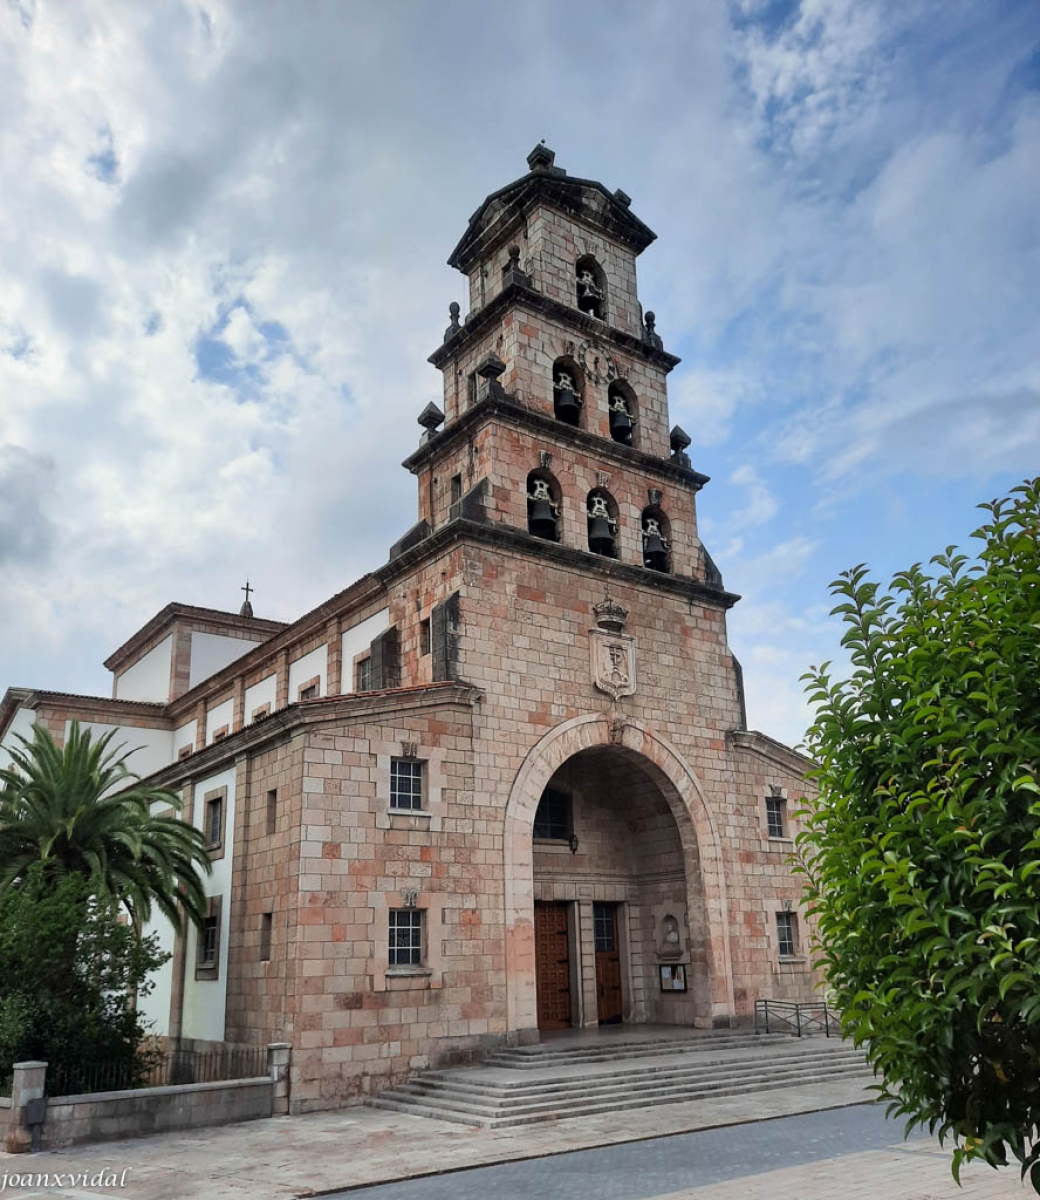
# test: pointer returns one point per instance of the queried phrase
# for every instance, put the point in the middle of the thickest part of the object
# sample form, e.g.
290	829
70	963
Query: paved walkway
323	1152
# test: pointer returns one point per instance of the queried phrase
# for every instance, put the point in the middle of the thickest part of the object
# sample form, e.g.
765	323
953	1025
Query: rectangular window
260	713
310	692
186	751
272	810
207	947
215	821
406	783
552	821
363	675
266	921
456	488
406	937
776	816
424	637
787	934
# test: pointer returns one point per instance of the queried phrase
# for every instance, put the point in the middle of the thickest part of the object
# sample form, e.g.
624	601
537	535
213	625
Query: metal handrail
796	1016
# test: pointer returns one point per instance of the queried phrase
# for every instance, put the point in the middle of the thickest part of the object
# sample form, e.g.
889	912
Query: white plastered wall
21	723
149	677
205	1000
305	669
185	735
218	717
155	1007
150	749
264	692
211	652
357	640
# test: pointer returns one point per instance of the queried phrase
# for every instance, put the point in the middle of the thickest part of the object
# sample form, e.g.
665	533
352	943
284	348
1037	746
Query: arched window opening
567	398
543	506
603	523
591	287
621	410
657	543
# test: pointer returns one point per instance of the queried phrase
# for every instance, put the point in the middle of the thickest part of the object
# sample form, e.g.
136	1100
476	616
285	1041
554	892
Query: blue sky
223	229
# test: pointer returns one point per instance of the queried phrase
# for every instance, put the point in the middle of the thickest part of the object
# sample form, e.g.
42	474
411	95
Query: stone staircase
556	1079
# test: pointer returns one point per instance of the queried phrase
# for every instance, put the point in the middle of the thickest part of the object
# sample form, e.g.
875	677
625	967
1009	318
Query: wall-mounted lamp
572	841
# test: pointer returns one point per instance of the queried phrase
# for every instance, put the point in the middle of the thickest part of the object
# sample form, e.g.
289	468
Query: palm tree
63	807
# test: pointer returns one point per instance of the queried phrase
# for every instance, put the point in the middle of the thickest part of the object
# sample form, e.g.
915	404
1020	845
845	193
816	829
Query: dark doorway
552	965
608	964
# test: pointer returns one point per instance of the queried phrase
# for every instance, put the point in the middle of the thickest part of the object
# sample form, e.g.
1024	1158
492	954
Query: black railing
797	1017
156	1069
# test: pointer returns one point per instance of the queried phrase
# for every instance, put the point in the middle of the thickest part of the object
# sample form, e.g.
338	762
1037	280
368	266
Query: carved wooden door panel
552	966
608	964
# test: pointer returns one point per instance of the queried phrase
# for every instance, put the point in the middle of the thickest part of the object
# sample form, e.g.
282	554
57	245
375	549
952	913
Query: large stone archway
684	796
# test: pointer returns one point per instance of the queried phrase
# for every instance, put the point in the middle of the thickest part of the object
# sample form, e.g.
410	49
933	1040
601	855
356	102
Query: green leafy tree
78	809
71	967
922	856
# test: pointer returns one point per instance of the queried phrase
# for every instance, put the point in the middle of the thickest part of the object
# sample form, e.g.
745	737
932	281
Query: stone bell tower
556	372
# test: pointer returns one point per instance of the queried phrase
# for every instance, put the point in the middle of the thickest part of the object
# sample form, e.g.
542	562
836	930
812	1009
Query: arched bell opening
621	411
567	391
543	505
591	287
602	516
609	816
657	540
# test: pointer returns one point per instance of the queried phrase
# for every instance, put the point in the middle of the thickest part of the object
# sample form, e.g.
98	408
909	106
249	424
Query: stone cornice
556	189
169	616
509	411
767	747
507	537
519	295
284	723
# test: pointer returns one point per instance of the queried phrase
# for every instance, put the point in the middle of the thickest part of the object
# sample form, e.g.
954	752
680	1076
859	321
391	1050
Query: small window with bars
406	937
552	821
406	783
787	934
776	816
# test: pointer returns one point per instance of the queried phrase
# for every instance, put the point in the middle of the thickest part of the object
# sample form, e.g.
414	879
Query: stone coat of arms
613	652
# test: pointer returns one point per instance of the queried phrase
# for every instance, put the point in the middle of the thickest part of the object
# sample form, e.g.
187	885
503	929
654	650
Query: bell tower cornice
585	200
476	327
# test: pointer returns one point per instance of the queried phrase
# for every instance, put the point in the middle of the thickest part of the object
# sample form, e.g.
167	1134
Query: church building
503	784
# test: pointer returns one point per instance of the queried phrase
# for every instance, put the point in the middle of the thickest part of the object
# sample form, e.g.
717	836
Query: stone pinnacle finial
247	609
541	157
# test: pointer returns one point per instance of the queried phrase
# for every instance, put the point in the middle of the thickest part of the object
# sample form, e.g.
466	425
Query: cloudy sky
223	229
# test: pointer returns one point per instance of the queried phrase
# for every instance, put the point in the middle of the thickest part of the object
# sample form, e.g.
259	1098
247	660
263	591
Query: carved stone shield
613	662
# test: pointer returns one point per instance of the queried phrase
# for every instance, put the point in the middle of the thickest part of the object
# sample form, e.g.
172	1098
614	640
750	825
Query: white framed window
776	816
407	944
787	934
406	784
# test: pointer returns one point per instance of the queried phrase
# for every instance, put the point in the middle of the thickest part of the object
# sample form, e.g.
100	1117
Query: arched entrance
590	923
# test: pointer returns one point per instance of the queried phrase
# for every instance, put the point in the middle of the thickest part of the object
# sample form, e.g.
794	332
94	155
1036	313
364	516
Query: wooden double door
553	965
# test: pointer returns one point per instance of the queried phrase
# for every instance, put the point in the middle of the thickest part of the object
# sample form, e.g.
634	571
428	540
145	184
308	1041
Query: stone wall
101	1116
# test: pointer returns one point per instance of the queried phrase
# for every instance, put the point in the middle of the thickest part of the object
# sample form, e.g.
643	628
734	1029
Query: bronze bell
541	520
567	405
621	425
655	547
601	536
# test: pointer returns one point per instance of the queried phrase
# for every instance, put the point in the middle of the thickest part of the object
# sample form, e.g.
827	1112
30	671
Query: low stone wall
101	1116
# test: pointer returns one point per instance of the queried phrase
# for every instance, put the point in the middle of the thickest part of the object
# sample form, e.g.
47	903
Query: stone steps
475	1096
531	1057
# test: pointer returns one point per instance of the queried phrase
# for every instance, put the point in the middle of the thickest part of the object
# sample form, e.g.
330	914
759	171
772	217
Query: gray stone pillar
279	1057
29	1081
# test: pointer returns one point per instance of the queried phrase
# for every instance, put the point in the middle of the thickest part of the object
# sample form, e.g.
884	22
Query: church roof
549	184
189	612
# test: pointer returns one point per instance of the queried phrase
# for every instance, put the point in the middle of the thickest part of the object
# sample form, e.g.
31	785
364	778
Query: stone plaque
613	662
